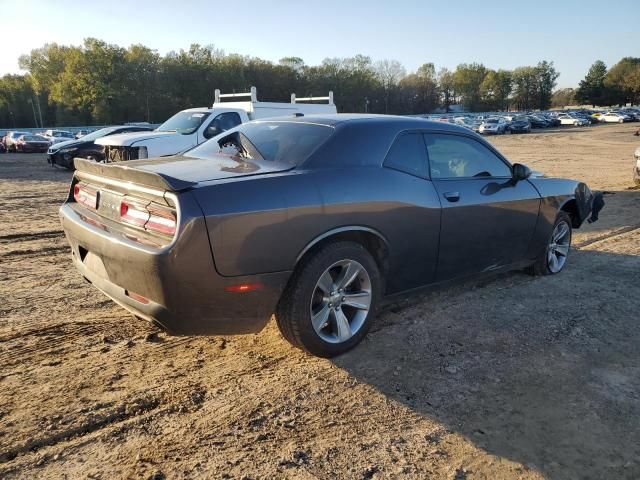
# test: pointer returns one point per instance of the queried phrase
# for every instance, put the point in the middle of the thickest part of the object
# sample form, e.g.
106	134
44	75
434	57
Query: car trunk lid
180	173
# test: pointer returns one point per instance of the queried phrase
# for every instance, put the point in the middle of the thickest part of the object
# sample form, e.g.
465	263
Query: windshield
520	119
492	120
184	123
62	135
285	142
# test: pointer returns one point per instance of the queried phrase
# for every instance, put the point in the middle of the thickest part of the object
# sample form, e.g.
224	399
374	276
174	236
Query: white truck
193	126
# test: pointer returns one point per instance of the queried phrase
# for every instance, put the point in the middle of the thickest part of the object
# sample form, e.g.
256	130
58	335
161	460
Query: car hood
129	139
181	172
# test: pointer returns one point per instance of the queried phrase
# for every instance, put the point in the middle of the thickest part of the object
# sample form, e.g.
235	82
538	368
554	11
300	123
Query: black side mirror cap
521	172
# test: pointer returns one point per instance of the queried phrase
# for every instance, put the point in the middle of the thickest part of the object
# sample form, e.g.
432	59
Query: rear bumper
184	294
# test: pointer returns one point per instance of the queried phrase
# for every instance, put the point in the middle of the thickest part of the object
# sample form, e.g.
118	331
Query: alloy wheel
558	248
341	301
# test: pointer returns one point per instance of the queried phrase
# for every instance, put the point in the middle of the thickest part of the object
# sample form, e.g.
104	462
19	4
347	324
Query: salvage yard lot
509	377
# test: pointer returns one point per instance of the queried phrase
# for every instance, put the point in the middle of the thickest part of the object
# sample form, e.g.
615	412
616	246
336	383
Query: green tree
623	79
468	80
446	87
592	89
495	89
546	76
16	95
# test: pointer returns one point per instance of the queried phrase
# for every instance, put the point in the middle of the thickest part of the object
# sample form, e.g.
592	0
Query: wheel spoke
553	261
343	329
326	283
319	319
562	250
561	232
349	273
360	300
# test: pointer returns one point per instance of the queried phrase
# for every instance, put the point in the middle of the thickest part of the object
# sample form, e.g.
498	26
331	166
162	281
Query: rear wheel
331	300
555	256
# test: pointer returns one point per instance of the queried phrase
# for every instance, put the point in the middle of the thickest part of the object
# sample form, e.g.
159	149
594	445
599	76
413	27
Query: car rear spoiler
122	171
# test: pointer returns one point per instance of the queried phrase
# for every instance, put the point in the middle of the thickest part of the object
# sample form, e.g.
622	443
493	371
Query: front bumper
184	294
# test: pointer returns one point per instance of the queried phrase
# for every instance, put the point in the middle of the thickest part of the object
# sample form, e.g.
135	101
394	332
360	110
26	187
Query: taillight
86	196
133	213
161	220
153	217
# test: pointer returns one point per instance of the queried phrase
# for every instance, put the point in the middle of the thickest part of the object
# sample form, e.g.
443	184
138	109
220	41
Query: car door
487	218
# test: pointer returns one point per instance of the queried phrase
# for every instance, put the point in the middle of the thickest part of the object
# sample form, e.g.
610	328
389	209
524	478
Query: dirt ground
512	377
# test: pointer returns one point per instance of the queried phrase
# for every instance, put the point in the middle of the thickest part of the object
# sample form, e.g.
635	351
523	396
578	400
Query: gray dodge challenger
316	219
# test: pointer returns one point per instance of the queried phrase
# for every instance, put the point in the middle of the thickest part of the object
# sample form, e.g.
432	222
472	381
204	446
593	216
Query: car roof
396	121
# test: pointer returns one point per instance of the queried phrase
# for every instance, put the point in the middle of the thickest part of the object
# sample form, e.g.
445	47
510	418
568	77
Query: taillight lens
86	196
155	218
133	213
161	220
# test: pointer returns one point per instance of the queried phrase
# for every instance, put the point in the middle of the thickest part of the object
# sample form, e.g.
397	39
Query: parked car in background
316	219
614	117
63	153
571	119
494	125
191	127
520	124
549	119
636	168
81	133
11	138
57	136
537	121
30	143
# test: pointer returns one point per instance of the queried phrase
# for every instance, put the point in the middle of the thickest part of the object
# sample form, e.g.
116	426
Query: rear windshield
283	142
35	138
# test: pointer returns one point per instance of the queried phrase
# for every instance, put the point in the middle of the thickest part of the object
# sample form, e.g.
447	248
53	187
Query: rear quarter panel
262	224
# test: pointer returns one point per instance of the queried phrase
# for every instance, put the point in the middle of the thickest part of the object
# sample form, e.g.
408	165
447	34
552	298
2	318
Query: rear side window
408	154
454	156
283	142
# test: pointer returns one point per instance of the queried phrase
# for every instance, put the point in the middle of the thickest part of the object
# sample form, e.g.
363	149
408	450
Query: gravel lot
510	377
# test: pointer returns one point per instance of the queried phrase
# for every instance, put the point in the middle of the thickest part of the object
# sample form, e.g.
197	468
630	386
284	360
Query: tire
544	264
305	298
621	121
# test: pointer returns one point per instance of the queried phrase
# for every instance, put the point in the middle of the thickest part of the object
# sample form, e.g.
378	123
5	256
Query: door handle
452	196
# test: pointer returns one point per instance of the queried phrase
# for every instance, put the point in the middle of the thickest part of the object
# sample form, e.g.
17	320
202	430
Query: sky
499	34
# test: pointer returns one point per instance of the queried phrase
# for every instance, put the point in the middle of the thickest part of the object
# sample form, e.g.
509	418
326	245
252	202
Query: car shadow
544	371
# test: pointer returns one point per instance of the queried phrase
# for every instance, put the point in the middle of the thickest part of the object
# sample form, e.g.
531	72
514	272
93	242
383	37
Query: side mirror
212	131
521	172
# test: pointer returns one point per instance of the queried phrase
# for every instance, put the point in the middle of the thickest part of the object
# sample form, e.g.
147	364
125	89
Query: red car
32	143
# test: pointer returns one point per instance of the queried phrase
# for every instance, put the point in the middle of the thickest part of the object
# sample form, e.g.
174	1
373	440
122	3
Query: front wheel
555	255
331	300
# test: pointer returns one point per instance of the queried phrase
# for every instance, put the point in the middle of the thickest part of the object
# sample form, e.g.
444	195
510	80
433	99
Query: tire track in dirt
28	236
34	252
607	236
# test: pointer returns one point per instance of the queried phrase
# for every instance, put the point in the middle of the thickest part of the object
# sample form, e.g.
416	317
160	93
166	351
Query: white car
57	136
495	125
568	119
189	128
614	117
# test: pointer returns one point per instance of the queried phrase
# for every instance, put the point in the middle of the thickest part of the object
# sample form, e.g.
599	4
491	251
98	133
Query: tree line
101	83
